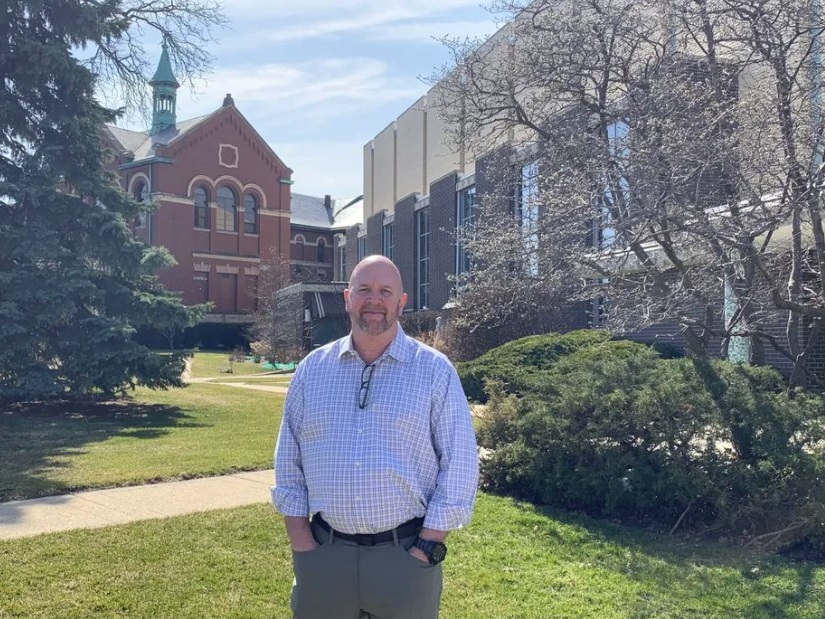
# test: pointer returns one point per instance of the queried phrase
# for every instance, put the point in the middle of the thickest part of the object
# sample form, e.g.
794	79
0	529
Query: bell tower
164	94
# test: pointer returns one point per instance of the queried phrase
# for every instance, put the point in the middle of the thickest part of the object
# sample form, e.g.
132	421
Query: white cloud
317	90
319	78
262	10
430	31
321	18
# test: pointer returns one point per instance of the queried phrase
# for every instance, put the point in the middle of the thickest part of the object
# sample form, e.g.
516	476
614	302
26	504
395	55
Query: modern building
420	188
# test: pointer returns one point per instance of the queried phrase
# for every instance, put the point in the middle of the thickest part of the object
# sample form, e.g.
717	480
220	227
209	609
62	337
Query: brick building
222	195
317	229
318	266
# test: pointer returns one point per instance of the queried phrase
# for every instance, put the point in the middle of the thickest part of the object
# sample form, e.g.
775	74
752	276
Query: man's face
374	299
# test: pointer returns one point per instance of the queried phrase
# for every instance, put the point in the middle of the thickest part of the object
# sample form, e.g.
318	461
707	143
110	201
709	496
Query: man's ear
402	302
346	298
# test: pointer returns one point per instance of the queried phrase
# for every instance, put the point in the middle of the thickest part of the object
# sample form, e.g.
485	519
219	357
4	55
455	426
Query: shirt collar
401	348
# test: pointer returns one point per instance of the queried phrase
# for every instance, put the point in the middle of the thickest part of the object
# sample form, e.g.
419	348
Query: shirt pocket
406	417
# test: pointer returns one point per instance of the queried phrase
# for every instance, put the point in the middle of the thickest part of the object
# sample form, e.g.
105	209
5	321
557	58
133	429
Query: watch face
439	552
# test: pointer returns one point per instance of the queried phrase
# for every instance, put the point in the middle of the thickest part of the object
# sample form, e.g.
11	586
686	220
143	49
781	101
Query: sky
318	79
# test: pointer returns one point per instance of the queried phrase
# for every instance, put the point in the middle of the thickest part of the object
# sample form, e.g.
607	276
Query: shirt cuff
290	502
447	517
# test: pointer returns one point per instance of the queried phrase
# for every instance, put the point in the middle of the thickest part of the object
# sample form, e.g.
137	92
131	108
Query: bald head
377	266
375	297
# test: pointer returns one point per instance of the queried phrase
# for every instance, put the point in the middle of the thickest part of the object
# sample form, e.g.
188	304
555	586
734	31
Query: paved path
102	508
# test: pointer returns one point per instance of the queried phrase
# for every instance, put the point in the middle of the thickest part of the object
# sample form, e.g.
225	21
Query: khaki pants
342	580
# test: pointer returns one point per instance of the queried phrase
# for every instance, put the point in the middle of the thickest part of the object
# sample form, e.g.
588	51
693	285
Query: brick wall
404	245
494	172
375	232
352	249
442	239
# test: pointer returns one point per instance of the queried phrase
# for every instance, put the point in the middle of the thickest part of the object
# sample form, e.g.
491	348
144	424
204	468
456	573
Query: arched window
141	194
141	191
322	250
201	207
227	208
250	214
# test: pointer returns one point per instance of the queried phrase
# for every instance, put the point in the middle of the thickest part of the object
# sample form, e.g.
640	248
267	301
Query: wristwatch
435	551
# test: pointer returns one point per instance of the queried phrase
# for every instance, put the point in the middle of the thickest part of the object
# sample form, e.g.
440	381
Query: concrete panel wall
368	187
384	180
411	151
441	157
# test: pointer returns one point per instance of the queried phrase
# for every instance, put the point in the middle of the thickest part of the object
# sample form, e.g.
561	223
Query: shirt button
357	464
360	430
358	498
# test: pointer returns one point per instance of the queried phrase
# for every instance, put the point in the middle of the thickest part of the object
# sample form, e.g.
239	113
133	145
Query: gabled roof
142	144
349	212
127	139
311	212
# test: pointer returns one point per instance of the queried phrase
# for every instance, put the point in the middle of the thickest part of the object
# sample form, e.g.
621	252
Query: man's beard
371	327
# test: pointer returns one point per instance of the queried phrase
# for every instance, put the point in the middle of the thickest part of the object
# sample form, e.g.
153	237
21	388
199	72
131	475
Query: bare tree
278	321
119	58
679	172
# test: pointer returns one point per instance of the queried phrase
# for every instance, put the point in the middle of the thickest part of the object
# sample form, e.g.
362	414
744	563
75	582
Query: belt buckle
367	539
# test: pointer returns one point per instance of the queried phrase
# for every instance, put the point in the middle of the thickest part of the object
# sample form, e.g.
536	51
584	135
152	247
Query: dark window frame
201	214
227	213
422	259
250	224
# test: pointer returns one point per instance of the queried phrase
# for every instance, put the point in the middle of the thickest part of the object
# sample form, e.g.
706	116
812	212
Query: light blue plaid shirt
410	452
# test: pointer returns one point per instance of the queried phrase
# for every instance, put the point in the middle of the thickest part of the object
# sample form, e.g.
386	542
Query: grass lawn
197	431
513	561
205	364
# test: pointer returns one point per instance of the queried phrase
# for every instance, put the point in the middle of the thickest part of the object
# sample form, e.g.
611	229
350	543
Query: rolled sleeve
289	494
451	505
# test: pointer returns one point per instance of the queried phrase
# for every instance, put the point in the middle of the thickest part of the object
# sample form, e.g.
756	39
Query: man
375	463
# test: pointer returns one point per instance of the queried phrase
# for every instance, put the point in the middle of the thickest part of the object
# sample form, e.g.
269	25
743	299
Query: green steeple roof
164	94
164	74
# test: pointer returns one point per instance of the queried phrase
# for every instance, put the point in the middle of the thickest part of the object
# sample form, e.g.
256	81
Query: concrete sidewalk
102	508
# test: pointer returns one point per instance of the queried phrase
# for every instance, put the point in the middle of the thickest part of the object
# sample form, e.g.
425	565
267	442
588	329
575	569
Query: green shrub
516	363
614	430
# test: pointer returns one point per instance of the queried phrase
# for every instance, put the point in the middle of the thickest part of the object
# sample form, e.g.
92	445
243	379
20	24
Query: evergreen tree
75	283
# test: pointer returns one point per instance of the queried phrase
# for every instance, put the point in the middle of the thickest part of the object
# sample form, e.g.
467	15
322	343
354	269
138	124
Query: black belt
406	529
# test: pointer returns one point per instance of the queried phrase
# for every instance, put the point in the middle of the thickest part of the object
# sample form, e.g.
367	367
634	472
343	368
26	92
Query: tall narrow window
250	214
528	213
322	250
141	194
387	246
227	210
362	247
616	192
464	219
422	259
342	261
201	207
